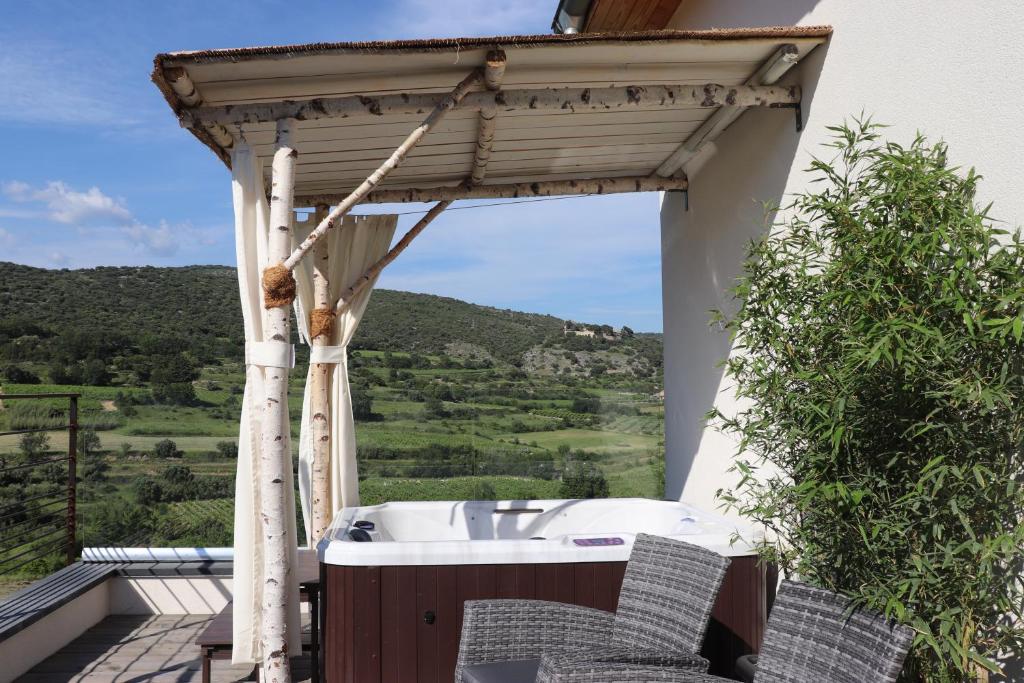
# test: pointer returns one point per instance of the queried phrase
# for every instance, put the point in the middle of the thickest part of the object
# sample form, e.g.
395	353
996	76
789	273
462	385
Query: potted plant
879	368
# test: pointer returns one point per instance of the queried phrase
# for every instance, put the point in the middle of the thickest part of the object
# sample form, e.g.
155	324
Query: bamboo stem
449	102
320	500
345	300
276	456
547	188
573	99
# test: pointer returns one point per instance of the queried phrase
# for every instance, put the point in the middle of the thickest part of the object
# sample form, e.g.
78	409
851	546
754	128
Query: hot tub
392	602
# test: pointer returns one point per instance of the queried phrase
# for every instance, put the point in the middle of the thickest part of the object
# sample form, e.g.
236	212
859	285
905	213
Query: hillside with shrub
94	325
451	401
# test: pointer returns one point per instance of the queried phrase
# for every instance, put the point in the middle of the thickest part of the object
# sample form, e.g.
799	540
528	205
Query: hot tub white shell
522	531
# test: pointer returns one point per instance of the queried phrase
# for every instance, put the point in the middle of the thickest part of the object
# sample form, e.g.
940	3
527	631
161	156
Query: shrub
881	369
17	375
583	480
34	444
165	448
175	393
362	403
88	441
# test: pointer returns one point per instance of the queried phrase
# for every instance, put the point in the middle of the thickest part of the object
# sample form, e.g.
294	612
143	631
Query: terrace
505	117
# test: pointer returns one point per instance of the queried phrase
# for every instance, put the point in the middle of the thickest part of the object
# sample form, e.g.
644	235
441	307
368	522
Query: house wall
32	645
944	67
169	595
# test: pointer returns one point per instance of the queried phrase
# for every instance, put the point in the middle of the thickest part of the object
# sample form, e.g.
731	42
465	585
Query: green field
497	433
452	401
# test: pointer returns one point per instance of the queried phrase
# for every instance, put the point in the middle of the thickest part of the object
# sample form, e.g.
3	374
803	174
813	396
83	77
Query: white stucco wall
948	68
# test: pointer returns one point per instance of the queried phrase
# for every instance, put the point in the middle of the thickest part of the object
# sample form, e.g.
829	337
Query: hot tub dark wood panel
402	624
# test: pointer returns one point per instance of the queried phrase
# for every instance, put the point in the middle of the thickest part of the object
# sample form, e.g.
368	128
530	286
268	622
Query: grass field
503	414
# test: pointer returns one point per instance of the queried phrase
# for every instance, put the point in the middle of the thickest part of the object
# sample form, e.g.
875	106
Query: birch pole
345	300
542	188
275	456
494	72
320	324
449	102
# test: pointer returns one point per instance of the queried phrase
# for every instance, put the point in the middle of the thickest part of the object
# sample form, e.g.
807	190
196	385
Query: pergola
336	125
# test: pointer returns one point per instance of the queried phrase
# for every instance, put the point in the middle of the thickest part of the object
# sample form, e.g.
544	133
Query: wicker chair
812	637
664	606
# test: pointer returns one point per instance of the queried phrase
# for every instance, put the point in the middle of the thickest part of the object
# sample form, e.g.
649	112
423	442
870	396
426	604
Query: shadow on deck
138	649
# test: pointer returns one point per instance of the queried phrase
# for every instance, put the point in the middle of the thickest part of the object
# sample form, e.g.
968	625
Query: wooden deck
147	649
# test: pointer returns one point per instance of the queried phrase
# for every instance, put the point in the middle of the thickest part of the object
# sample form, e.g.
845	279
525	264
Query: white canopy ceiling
336	154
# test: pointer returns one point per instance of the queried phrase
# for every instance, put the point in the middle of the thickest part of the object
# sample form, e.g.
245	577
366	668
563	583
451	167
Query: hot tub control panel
600	541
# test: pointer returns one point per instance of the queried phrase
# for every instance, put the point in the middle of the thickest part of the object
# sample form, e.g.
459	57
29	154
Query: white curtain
252	221
351	248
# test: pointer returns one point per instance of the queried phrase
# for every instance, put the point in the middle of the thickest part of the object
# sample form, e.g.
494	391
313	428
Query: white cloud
6	238
102	221
70	206
159	241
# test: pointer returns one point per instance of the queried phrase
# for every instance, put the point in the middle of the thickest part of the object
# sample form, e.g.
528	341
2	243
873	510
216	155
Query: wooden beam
494	72
576	99
275	456
345	300
771	71
450	101
512	190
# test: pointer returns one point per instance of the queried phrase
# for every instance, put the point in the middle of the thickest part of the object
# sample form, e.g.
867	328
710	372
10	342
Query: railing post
72	475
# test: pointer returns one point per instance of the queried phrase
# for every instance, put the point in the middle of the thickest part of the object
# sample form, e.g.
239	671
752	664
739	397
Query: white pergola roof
212	92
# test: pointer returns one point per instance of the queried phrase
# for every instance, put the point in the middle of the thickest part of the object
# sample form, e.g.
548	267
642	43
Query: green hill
120	312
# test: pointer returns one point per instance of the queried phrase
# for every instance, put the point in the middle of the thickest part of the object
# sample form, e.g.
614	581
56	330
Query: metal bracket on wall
686	198
797	111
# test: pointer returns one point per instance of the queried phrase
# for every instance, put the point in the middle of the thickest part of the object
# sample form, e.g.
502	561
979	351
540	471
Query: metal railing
31	527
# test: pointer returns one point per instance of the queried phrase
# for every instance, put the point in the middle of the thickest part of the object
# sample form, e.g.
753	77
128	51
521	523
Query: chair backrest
813	636
667	595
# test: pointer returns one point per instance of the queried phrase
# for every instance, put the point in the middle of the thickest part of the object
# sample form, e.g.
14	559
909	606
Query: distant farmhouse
606	332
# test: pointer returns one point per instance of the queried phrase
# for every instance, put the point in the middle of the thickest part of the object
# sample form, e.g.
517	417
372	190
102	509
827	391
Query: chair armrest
501	630
620	664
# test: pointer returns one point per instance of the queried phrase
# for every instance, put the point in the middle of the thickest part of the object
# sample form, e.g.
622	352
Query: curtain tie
327	354
270	354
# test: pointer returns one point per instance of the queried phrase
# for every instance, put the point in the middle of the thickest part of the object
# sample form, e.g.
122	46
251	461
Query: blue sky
97	172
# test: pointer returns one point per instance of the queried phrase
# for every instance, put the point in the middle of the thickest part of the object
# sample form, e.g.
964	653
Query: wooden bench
215	642
32	603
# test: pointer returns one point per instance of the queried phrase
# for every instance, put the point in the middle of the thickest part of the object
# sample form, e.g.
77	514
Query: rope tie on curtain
278	287
270	354
320	322
327	354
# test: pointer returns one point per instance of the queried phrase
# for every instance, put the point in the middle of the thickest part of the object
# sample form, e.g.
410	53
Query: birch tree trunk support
373	271
575	99
447	103
494	72
549	188
185	89
275	456
771	71
320	392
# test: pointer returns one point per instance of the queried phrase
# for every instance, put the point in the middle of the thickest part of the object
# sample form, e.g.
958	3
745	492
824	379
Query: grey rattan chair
667	594
812	637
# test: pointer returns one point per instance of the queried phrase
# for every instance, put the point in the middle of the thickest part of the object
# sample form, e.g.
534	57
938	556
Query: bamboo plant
879	367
